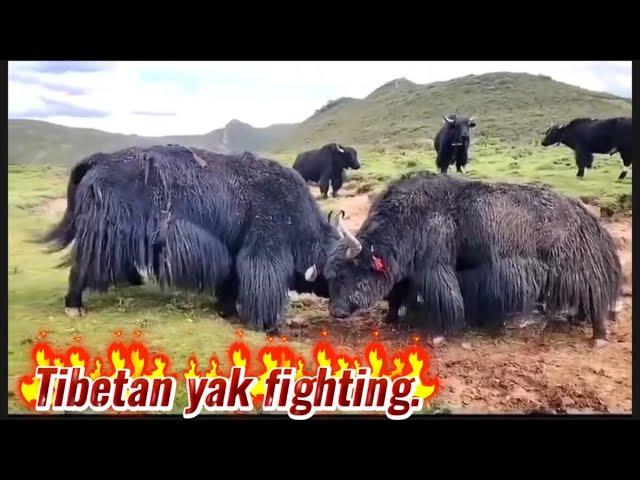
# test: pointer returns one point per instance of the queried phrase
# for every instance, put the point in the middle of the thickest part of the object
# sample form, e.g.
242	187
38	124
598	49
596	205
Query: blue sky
163	98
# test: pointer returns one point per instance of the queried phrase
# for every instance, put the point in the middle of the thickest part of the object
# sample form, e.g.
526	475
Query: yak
242	228
452	143
586	136
458	253
326	166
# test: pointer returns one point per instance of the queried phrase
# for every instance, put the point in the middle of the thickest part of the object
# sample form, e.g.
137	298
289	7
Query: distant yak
239	227
326	166
452	143
458	253
586	136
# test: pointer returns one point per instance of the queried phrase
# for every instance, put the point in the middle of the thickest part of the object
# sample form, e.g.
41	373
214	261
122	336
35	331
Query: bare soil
55	207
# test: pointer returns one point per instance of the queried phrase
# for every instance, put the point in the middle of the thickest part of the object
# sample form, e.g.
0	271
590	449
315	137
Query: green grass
497	161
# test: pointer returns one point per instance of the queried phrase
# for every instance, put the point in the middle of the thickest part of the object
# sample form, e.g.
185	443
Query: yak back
473	223
598	135
230	196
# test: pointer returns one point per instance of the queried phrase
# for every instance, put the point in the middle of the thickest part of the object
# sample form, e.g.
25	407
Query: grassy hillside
33	142
512	107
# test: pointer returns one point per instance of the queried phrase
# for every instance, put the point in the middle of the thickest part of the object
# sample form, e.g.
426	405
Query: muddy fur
474	252
240	227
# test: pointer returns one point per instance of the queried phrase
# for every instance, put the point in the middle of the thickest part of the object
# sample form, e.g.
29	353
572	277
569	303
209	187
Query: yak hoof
437	341
75	312
622	175
600	342
272	332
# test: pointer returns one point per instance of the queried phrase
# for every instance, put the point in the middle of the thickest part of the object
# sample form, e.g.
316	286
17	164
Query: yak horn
447	119
334	221
471	119
354	245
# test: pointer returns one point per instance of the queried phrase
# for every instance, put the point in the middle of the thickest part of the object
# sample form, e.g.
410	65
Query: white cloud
201	96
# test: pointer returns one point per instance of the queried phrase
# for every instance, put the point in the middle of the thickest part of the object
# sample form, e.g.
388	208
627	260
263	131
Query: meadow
182	324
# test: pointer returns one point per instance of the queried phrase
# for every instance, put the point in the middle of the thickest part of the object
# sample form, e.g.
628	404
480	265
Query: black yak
452	143
466	253
242	228
326	166
586	136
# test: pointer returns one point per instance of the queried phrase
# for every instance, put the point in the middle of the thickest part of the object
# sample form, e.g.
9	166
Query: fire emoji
412	363
134	357
136	380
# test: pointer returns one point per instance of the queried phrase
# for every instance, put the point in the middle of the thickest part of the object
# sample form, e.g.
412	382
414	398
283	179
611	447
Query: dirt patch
356	207
54	207
528	370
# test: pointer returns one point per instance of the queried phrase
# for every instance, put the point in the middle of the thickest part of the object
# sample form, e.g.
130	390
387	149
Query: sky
181	98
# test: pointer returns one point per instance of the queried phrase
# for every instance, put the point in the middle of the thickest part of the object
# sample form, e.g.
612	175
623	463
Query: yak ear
311	274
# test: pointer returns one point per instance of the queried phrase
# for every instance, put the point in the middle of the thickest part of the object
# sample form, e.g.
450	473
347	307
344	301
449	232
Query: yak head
357	276
459	128
553	136
345	157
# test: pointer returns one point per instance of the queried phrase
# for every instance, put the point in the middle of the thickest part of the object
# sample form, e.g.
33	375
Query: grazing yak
242	228
466	253
586	136
452	143
326	165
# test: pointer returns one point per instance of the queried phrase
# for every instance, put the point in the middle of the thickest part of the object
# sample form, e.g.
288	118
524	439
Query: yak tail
62	234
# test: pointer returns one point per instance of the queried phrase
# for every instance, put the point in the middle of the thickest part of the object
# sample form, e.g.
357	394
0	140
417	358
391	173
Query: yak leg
336	184
435	303
73	299
599	330
226	297
396	297
442	162
324	183
599	326
583	160
263	280
133	276
626	162
461	160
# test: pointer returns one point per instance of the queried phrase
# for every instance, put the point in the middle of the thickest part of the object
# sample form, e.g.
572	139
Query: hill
36	142
514	107
510	107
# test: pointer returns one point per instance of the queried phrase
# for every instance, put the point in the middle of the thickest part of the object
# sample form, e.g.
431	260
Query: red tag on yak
378	264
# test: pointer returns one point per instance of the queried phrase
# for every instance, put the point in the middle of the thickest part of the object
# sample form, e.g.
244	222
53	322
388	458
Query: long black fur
451	144
326	166
586	136
470	253
238	226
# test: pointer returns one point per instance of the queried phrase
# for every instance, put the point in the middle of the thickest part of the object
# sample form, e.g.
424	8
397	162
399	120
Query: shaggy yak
586	136
326	166
240	227
452	143
460	253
